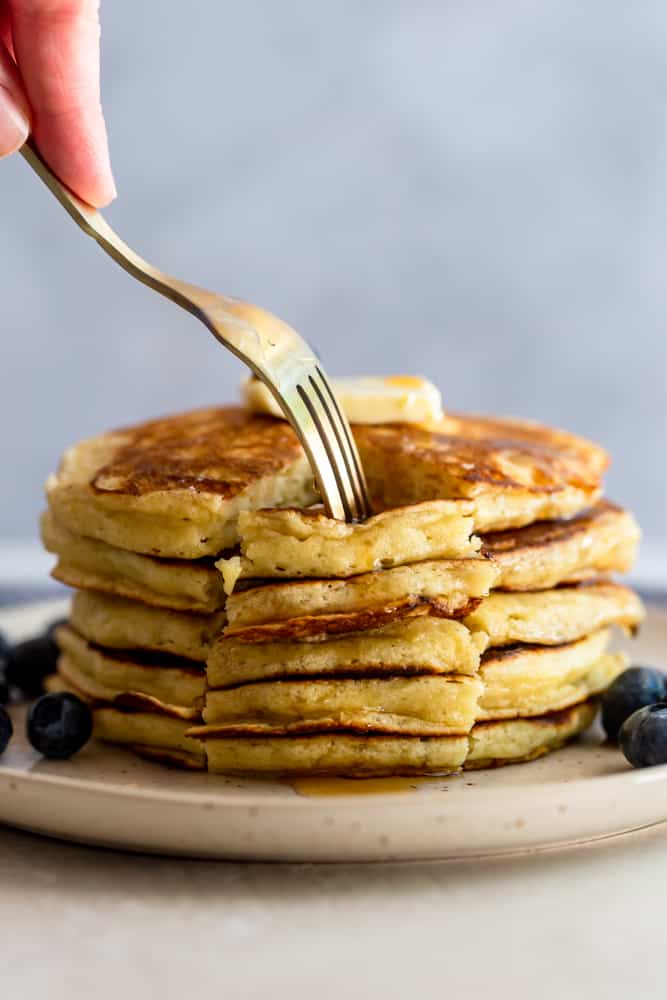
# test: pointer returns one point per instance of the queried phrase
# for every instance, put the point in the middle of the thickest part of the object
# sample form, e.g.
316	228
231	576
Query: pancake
522	682
177	686
532	680
270	751
444	705
515	741
121	624
515	472
265	749
553	617
424	645
174	487
320	627
87	563
449	586
542	555
150	735
306	543
124	726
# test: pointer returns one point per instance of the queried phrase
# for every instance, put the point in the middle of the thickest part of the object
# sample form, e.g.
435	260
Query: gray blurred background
476	191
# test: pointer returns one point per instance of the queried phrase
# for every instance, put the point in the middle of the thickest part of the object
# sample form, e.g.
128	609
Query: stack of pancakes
222	621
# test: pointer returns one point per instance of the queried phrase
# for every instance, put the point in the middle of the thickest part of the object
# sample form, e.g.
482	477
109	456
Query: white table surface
584	922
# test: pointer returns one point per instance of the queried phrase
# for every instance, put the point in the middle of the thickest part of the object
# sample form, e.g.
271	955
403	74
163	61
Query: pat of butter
366	399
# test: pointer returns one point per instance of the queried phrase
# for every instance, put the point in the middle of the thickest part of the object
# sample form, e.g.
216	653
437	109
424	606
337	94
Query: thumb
14	107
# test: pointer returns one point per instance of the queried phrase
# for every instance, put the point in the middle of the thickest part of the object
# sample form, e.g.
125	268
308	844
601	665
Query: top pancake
515	471
174	487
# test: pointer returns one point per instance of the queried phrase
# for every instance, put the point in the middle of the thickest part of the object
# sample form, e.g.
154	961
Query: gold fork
277	355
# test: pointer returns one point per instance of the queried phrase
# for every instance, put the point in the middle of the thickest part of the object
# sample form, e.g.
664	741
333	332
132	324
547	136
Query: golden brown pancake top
224	449
218	450
464	454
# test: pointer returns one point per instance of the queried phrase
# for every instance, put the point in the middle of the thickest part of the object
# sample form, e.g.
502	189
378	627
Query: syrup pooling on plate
317	787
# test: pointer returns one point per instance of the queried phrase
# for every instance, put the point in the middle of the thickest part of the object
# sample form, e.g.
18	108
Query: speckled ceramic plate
110	798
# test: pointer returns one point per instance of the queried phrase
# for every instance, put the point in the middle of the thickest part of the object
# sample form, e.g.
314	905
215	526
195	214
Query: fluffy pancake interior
334	753
438	645
451	584
299	543
526	681
446	704
271	749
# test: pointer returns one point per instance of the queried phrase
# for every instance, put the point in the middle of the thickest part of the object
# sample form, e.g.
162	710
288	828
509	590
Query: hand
49	86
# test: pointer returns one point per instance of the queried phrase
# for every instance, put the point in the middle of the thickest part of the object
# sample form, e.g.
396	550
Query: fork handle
93	223
273	350
238	326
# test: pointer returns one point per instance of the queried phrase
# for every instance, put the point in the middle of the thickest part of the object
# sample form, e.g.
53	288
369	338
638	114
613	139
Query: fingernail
14	125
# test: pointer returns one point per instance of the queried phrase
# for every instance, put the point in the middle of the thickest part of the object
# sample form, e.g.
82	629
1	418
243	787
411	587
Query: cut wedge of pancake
178	584
448	586
542	555
266	749
121	624
321	627
515	472
306	543
176	686
521	682
553	617
174	487
423	645
446	705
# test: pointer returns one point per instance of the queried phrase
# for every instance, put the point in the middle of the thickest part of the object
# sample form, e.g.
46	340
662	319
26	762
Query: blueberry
59	724
4	683
30	662
643	737
631	690
6	729
50	630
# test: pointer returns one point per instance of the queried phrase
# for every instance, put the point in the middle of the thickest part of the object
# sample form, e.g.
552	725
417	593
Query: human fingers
56	43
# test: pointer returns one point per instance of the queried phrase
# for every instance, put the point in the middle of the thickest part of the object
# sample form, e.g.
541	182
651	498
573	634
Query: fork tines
332	451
